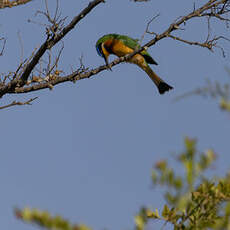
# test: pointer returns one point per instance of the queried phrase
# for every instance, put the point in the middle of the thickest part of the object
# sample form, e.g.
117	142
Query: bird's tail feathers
161	85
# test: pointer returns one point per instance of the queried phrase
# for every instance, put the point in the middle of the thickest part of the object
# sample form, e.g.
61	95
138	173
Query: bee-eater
120	45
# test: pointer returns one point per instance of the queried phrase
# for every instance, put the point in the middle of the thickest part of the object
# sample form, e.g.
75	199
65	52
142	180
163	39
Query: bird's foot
109	67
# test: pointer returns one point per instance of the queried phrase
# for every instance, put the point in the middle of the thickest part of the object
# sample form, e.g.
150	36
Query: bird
120	45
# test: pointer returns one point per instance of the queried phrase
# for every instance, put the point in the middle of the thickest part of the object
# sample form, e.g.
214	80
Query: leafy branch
45	220
193	201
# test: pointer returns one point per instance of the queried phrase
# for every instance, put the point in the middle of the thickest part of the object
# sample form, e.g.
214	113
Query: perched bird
120	45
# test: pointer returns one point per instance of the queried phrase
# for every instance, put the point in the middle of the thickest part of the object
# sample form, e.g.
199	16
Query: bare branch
3	47
7	3
18	103
50	68
48	44
147	28
21	46
207	44
55	21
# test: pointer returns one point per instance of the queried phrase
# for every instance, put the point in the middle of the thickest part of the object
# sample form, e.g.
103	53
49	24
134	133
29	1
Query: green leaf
165	211
140	223
151	214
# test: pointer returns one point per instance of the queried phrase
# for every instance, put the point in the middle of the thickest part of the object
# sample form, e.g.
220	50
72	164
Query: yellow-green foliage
44	219
225	104
193	202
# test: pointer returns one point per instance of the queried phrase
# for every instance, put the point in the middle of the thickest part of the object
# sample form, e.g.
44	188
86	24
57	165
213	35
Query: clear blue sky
85	150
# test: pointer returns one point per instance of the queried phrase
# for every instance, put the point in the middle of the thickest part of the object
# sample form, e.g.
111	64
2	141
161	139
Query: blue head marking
99	50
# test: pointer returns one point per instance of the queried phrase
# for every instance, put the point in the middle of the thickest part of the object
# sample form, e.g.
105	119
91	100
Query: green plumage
129	42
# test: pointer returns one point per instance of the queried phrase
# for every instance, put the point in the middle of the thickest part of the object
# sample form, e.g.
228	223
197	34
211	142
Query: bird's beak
105	54
107	62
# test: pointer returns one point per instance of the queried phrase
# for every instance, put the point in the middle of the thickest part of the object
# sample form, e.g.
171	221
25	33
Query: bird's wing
148	58
133	44
130	42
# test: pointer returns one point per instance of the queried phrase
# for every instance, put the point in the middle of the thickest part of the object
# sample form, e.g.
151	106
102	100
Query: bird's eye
99	50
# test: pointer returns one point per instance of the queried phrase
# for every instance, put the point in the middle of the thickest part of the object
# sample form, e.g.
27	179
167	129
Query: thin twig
21	46
3	47
18	103
147	28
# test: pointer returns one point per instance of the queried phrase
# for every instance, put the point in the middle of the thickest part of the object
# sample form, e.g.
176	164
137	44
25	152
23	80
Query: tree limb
7	3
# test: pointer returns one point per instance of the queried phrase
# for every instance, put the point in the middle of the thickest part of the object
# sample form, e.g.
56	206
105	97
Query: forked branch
48	44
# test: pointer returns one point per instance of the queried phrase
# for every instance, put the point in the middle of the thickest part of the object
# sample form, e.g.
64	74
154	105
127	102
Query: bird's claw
108	67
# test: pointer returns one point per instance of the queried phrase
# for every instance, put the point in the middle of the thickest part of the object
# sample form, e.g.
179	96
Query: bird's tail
161	85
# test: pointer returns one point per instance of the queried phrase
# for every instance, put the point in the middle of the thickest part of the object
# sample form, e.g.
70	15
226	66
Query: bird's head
102	46
101	50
